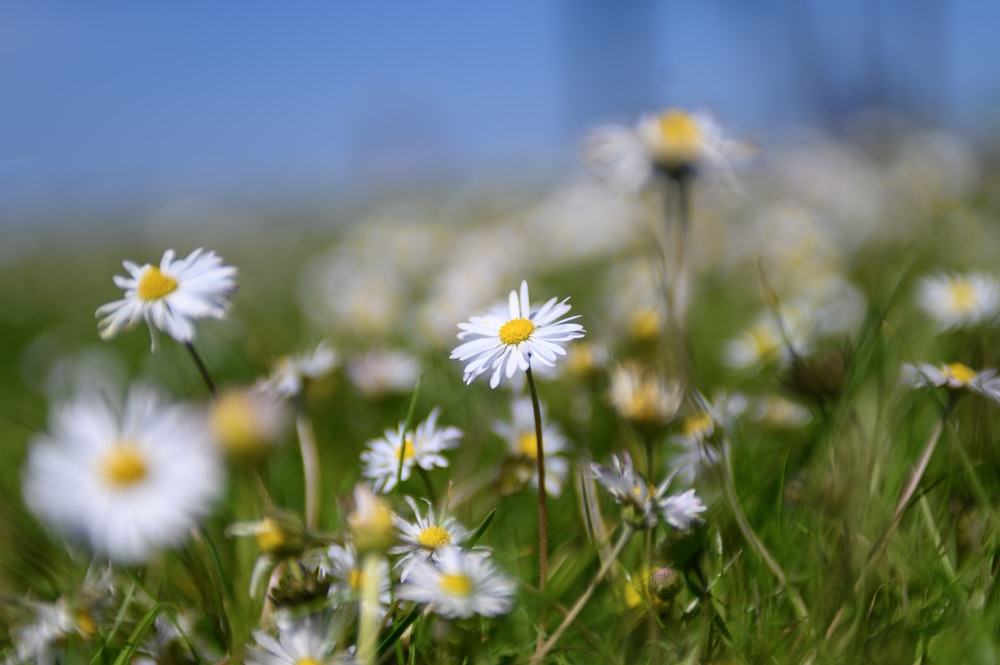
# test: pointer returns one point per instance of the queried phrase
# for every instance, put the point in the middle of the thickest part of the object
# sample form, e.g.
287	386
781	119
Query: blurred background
157	114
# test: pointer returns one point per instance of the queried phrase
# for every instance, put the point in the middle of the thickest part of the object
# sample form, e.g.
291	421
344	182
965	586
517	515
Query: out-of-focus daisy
766	341
36	642
425	537
646	504
699	432
381	372
460	585
344	567
126	484
955	376
509	339
519	433
955	300
290	373
371	523
643	397
171	296
422	447
302	640
248	422
671	142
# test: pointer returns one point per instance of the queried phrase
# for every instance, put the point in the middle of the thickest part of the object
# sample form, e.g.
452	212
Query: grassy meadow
748	342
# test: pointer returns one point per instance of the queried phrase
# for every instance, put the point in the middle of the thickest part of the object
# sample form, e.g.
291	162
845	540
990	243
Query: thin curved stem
623	539
202	369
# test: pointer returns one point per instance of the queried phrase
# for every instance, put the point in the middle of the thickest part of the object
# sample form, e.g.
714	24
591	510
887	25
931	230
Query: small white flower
127	485
509	339
36	642
422	447
642	396
519	434
461	585
379	372
766	341
344	566
304	640
170	297
682	511
644	503
425	537
290	373
699	430
672	142
955	376
956	300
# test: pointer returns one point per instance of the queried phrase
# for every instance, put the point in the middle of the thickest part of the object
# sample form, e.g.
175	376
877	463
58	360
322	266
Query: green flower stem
310	467
202	369
623	539
543	511
751	537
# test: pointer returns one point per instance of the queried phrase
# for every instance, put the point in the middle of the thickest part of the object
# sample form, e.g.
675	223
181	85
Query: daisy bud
371	523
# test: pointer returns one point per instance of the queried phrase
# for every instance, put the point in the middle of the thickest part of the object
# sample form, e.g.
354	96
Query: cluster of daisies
127	476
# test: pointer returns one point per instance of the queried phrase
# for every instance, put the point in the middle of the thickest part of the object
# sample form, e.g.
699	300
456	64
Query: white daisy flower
422	447
290	373
671	142
343	565
682	511
642	396
170	297
519	434
696	440
766	341
955	300
955	376
461	585
425	537
645	504
381	372
248	422
508	340
303	640
126	484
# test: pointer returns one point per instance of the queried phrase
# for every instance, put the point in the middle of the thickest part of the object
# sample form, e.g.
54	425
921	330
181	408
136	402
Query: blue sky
109	101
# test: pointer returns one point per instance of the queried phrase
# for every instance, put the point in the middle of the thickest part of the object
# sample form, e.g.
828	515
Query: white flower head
645	504
519	433
642	396
461	584
672	142
956	300
171	296
127	485
290	373
382	372
955	376
302	640
421	447
510	339
344	567
425	537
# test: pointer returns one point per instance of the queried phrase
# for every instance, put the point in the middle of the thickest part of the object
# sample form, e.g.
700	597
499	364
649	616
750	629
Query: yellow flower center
960	372
85	624
516	331
124	465
679	139
307	661
434	537
698	426
456	584
645	324
270	536
963	295
406	451
527	444
236	426
356	579
763	340
154	285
